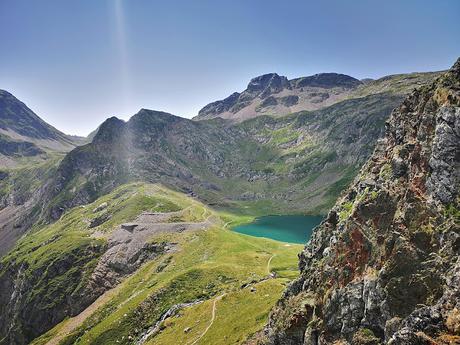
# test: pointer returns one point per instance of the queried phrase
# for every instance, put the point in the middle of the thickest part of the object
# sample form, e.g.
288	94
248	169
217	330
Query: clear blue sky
76	63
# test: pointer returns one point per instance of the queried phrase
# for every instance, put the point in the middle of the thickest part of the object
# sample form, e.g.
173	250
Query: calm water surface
292	229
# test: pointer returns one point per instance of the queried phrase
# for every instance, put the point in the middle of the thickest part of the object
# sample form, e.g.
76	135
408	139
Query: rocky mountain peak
218	107
327	80
267	84
275	95
150	121
16	116
154	114
109	130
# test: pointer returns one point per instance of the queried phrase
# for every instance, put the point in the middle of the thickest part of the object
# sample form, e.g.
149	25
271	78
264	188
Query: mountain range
271	94
295	163
122	237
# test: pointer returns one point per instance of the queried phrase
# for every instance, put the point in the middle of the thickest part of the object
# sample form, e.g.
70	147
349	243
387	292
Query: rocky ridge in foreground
384	266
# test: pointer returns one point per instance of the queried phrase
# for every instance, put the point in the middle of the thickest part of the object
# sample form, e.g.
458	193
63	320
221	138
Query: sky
76	63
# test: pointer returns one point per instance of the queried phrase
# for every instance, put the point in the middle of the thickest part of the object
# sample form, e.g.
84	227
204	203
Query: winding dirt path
213	317
204	214
268	264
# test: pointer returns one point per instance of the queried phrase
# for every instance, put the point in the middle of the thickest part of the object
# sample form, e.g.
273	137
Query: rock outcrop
384	266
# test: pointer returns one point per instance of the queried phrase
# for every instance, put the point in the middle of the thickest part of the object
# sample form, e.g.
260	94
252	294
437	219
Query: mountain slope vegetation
30	151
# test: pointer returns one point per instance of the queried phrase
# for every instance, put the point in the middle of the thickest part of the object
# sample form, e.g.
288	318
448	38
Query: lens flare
121	42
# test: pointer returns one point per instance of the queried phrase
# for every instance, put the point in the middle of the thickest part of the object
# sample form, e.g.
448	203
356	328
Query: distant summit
24	134
326	80
268	84
272	94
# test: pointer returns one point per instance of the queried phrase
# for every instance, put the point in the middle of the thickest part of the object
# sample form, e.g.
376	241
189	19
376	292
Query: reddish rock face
384	267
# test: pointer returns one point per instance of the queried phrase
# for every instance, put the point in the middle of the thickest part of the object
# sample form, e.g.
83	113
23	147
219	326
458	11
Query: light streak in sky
121	42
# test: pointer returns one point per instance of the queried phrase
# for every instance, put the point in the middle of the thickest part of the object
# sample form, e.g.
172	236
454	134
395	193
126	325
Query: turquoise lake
291	229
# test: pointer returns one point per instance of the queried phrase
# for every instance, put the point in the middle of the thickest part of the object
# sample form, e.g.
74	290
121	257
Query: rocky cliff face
384	266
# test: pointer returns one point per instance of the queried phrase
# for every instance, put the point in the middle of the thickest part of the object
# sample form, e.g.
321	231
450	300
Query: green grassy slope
204	265
209	264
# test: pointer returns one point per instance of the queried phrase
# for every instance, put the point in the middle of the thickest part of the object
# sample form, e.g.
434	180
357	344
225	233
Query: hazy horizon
112	58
